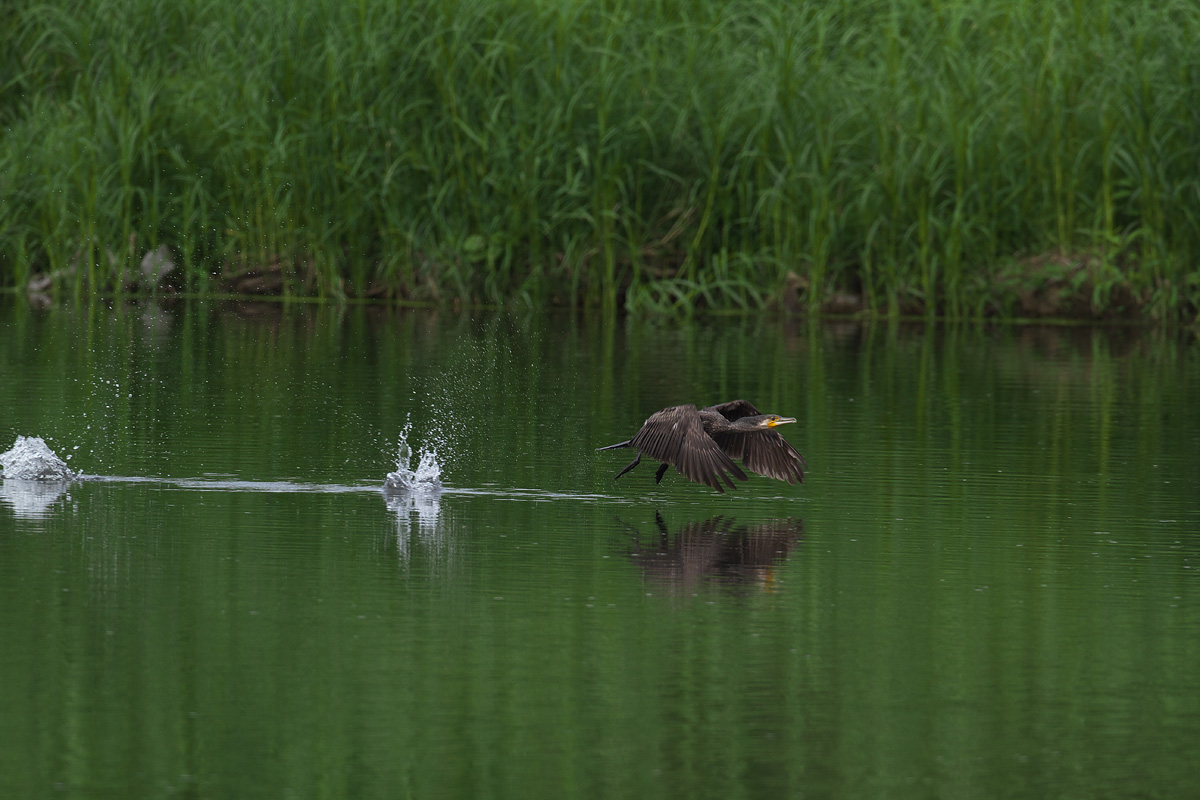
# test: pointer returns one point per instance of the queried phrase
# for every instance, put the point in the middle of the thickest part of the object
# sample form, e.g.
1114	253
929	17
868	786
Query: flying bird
702	443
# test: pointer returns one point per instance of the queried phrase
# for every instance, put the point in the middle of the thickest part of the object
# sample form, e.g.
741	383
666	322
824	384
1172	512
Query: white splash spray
31	459
425	477
414	495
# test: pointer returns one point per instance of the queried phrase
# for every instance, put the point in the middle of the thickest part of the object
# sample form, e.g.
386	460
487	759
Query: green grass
920	157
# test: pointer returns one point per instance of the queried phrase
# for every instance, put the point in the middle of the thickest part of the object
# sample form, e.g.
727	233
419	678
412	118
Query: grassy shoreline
961	159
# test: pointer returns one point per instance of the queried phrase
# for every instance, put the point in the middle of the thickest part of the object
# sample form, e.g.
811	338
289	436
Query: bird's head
766	420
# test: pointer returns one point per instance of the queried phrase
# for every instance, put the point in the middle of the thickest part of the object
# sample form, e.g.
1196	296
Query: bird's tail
615	446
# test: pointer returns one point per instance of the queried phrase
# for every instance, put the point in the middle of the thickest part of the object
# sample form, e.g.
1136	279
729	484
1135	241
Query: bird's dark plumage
702	444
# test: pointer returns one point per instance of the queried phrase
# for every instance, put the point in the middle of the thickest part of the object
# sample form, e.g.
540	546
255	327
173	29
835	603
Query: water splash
31	459
460	395
414	495
425	477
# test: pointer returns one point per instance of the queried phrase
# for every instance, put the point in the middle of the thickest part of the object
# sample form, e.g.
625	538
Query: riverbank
973	159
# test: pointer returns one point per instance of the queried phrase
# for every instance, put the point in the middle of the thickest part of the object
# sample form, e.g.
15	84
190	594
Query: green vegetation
962	158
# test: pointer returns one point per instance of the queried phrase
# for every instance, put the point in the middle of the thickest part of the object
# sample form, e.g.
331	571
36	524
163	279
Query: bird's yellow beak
771	423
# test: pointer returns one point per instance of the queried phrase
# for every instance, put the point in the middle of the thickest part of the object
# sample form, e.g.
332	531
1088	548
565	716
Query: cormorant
702	443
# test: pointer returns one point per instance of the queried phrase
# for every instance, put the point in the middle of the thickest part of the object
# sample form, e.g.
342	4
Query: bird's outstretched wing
735	409
676	435
765	452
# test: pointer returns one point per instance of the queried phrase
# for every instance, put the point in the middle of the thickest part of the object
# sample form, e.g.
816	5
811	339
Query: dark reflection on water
716	550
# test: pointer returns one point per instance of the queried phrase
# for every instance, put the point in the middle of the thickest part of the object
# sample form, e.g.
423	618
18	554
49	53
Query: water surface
986	587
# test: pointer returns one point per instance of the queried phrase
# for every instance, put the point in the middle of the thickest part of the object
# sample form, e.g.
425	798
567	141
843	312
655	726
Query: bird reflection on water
715	551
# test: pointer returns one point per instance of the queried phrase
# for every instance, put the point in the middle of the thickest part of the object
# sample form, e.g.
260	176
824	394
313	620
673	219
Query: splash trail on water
33	477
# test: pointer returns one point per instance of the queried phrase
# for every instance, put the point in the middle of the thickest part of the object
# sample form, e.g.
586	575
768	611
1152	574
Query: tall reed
941	158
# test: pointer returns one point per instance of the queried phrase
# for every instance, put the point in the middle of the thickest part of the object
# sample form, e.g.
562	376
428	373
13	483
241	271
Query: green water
987	587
